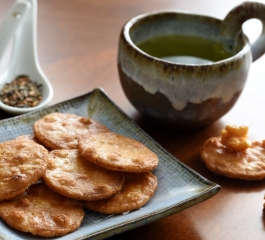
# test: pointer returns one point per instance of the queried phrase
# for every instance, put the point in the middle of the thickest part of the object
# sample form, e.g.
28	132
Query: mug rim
139	18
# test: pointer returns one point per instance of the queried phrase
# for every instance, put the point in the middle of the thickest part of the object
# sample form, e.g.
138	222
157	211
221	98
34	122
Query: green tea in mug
185	49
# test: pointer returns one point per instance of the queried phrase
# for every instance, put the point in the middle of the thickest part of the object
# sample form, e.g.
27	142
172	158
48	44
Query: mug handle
232	25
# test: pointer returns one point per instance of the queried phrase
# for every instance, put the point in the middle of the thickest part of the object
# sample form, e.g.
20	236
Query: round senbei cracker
28	137
21	164
247	165
117	152
72	176
137	190
62	130
42	212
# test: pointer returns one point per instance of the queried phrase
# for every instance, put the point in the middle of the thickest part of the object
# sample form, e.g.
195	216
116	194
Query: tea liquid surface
185	49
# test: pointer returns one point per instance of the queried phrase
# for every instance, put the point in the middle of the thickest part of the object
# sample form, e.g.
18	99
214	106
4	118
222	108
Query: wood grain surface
77	49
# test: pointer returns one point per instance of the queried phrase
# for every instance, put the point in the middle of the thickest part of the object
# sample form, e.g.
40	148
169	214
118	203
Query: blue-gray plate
179	187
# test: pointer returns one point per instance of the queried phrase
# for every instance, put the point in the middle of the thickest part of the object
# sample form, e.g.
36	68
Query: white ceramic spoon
21	23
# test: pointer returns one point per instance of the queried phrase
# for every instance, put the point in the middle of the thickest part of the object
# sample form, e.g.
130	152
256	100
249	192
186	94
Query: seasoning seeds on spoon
21	92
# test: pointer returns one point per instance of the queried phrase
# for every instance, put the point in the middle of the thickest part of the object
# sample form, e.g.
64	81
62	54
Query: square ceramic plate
179	187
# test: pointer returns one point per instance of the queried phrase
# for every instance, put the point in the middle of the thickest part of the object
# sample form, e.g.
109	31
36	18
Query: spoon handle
13	19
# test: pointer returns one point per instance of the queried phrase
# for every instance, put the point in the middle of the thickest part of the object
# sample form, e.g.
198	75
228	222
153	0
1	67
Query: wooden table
77	47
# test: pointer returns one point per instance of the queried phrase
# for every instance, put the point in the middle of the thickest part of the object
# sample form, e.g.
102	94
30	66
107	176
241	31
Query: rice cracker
248	164
72	176
117	152
21	164
62	130
137	190
28	137
42	212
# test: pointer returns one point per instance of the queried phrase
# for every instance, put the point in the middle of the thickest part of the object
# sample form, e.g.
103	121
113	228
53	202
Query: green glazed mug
183	70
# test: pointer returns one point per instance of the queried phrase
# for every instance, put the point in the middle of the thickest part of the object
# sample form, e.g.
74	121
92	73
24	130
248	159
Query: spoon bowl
20	25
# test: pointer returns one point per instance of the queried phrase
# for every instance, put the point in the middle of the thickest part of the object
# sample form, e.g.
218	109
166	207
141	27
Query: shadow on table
4	115
185	146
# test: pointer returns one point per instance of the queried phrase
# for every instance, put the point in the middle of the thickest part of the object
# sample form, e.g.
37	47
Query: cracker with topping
233	155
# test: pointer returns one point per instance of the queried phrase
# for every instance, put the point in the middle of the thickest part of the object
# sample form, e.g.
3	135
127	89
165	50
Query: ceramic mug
187	95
